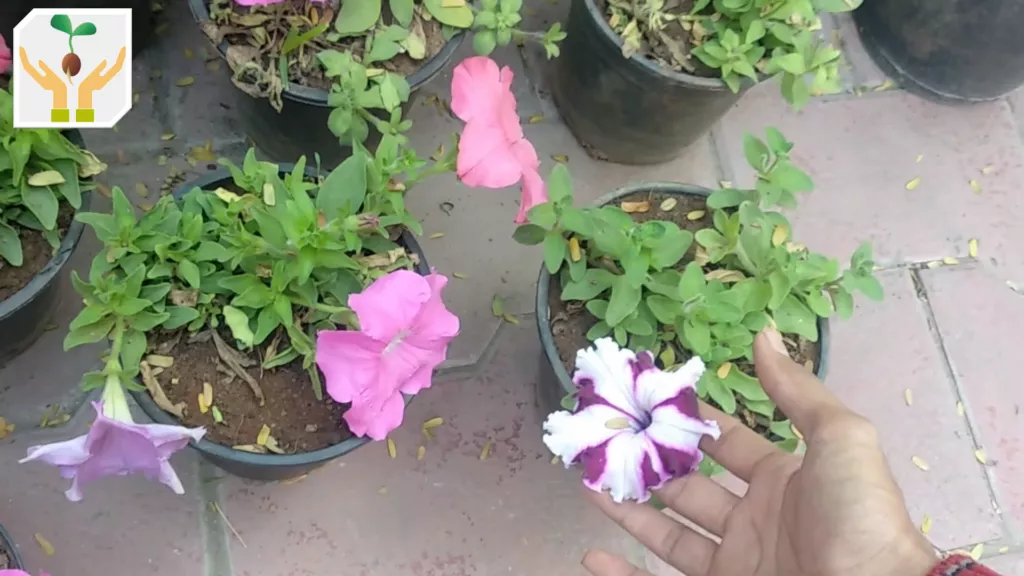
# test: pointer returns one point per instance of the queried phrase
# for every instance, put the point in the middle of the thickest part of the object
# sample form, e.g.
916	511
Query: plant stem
380	125
113	363
331	309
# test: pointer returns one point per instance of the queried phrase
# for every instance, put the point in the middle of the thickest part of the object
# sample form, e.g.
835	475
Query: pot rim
11	548
223	452
317	97
652	67
547	339
53	267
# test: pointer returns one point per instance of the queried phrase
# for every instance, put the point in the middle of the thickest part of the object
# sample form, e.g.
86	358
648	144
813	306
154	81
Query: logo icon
63	76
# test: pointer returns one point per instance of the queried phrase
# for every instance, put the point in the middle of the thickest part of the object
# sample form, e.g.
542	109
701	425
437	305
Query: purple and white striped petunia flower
635	426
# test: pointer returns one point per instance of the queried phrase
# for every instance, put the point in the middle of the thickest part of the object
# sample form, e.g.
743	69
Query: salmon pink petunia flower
117	446
493	153
404	334
635	427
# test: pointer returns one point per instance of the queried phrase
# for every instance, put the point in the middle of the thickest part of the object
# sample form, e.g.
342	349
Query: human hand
47	80
97	80
836	511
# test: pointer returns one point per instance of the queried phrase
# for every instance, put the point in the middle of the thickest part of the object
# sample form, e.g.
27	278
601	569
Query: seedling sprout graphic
71	64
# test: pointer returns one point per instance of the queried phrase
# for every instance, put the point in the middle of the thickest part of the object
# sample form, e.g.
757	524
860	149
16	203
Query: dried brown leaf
920	463
913	184
157	392
185	81
560	158
695	215
641	207
486	450
45	545
237	362
392	449
668	204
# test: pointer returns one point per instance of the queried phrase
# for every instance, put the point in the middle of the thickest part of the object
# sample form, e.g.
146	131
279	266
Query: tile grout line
995	497
213	531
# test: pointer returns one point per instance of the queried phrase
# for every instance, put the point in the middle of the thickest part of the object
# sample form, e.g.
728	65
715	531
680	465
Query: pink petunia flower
493	153
117	446
404	334
635	427
6	61
19	573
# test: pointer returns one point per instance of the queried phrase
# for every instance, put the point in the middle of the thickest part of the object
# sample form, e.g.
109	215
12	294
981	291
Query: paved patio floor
947	333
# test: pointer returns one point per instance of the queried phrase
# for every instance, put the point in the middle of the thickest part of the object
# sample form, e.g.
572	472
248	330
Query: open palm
834	512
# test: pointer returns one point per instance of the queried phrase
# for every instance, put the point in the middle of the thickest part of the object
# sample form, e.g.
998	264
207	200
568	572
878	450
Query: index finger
739	449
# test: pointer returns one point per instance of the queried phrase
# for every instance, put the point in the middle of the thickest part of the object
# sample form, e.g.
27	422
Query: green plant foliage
742	39
646	289
358	96
277	255
39	170
496	23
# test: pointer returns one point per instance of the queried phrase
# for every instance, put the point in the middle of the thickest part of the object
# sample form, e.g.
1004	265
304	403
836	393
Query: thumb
801	397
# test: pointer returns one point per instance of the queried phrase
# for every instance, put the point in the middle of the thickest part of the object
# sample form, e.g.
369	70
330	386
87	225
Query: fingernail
775	340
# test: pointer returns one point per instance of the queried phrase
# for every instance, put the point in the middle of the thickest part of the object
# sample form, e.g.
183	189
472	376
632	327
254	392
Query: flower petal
435	323
485	157
376	420
350	362
655	386
676	435
605	374
568	435
390	304
534	193
67	453
625	467
477	88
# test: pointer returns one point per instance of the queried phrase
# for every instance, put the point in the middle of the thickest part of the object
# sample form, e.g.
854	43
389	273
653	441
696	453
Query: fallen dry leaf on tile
960	408
45	544
920	463
908	397
919	158
987	169
913	184
436	235
510	319
560	158
185	81
975	186
486	451
972	247
950	261
392	449
977	552
980	455
421	452
926	524
536	118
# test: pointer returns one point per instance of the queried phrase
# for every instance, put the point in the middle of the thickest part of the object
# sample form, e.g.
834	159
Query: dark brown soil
655	44
570	321
312	75
297	420
5	560
37	253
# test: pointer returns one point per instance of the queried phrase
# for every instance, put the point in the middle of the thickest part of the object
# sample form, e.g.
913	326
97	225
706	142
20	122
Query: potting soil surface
5	560
36	252
671	46
312	73
297	420
570	321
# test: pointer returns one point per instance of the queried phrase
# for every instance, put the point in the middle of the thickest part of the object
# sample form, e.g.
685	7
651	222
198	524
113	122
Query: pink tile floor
949	334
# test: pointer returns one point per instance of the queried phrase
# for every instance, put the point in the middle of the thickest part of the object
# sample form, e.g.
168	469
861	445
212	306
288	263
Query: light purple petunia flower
116	446
635	426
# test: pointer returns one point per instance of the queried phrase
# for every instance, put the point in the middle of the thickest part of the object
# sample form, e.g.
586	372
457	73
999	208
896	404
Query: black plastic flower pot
553	381
265	467
14	11
25	315
629	110
7	545
300	128
947	50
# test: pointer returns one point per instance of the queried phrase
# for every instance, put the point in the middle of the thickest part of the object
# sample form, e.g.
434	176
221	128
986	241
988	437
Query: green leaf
595	281
836	5
239	324
666	310
211	252
795	90
133	347
61	22
568	402
88	334
577	221
638	326
543	215
792	63
179	316
559	183
843	302
624	300
83	29
484	42
791	178
599	330
529	234
402	11
781	286
709	238
697	337
70	188
555	249
357	16
456	17
747	386
124	214
794	317
870	287
599	308
89	315
819	304
10	245
189	272
283	307
344	190
756	152
42	203
146	321
718	392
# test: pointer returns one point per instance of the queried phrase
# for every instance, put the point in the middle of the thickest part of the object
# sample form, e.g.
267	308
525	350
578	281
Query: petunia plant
737	39
41	173
654	286
273	269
